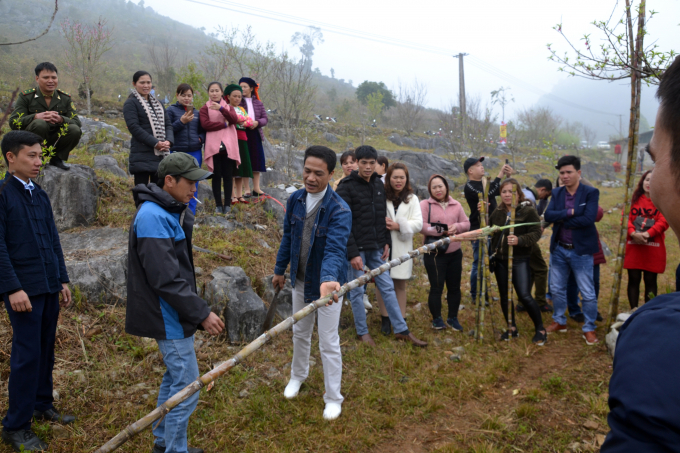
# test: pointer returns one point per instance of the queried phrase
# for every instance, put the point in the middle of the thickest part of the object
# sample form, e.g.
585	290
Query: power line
352	33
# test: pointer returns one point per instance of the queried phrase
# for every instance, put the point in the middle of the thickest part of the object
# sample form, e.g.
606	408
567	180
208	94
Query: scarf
213	139
156	114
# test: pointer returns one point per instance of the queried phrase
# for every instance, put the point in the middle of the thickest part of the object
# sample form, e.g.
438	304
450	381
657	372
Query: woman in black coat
150	127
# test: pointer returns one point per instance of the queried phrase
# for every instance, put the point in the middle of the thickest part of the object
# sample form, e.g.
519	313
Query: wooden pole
511	290
633	126
479	302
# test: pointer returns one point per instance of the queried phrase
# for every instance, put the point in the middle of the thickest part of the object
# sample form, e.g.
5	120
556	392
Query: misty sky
510	36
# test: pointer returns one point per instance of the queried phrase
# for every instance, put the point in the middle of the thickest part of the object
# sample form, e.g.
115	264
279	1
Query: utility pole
461	89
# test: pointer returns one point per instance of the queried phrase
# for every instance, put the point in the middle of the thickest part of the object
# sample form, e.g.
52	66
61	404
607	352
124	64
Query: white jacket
410	221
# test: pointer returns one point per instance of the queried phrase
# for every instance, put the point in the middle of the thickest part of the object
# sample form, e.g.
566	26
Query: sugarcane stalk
480	276
135	428
484	258
511	303
633	127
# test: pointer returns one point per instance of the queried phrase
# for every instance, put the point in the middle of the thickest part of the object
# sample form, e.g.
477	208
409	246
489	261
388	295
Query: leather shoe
159	449
410	337
51	415
23	438
366	339
56	162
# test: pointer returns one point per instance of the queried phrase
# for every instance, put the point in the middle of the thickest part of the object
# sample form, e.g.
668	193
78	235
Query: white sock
292	389
332	411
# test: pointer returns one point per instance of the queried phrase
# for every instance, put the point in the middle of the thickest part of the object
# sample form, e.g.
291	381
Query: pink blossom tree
86	45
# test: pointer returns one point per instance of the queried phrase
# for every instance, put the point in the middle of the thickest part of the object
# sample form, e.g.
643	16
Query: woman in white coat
404	219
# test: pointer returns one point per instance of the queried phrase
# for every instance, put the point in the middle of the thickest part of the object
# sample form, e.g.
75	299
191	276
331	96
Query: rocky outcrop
276	209
230	293
108	163
96	261
330	138
284	306
423	165
74	195
273	178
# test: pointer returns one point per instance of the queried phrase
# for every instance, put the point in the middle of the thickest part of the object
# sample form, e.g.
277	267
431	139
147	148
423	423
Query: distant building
643	140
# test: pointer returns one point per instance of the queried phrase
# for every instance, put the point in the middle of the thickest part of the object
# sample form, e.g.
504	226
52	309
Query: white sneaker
367	303
332	411
292	389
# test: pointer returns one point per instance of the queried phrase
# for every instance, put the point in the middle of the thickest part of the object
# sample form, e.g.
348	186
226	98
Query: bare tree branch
56	8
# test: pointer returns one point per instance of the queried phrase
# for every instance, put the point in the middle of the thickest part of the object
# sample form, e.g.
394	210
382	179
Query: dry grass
502	397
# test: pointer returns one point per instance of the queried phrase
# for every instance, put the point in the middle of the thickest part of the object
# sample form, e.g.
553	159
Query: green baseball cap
184	165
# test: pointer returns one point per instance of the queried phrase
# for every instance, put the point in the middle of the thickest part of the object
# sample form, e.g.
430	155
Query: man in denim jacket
315	233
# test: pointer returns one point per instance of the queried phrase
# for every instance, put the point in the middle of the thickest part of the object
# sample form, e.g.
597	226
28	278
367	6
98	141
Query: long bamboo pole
511	290
633	126
135	428
479	302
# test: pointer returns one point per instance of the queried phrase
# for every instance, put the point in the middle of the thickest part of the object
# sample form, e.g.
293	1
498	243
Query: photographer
522	240
442	215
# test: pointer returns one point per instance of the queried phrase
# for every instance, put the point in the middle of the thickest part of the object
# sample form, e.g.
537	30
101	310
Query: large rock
396	139
96	261
230	292
204	192
91	128
218	222
422	165
284	306
272	178
408	141
270	152
330	138
108	163
74	195
276	209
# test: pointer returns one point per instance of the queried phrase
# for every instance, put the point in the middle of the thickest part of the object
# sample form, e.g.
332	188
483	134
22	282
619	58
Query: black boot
386	327
23	438
52	415
56	162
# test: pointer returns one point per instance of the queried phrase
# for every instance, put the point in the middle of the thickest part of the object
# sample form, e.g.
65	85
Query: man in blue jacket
33	276
162	300
315	232
572	210
643	390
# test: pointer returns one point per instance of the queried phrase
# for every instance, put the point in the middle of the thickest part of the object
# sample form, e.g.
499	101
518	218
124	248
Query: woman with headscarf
150	127
234	94
221	144
252	104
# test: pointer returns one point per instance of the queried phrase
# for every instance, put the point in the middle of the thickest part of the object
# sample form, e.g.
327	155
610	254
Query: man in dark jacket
33	275
643	390
573	209
474	170
162	300
369	242
314	242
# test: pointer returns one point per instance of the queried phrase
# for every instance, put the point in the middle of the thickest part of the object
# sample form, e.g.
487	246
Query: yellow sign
504	133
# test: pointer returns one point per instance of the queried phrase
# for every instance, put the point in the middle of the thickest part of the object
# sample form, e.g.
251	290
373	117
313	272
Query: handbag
643	224
440	229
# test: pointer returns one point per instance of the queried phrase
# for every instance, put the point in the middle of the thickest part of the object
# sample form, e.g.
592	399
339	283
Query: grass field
501	397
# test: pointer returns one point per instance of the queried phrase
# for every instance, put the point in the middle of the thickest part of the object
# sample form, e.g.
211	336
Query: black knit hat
470	161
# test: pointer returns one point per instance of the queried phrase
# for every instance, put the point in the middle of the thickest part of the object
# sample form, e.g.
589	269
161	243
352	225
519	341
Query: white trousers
329	345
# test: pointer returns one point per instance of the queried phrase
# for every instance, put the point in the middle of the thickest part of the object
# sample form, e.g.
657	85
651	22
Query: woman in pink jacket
447	267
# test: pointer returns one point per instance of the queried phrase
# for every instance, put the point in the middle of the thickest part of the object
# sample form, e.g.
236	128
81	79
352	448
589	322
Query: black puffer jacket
367	201
142	157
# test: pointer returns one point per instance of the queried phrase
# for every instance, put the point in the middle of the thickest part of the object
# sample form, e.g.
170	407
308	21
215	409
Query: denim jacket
327	261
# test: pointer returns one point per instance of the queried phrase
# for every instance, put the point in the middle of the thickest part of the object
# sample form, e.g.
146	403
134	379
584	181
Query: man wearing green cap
162	300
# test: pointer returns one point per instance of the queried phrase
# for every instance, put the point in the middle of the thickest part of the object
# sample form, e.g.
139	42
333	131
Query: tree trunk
635	87
89	100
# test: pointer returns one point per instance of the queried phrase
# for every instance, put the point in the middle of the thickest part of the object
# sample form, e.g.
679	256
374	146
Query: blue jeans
182	369
383	282
572	291
473	273
565	262
199	157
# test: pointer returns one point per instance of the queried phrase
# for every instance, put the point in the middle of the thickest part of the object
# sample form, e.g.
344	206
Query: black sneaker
540	338
599	317
438	324
547	308
53	415
23	440
505	336
580	318
56	162
386	326
454	324
159	449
